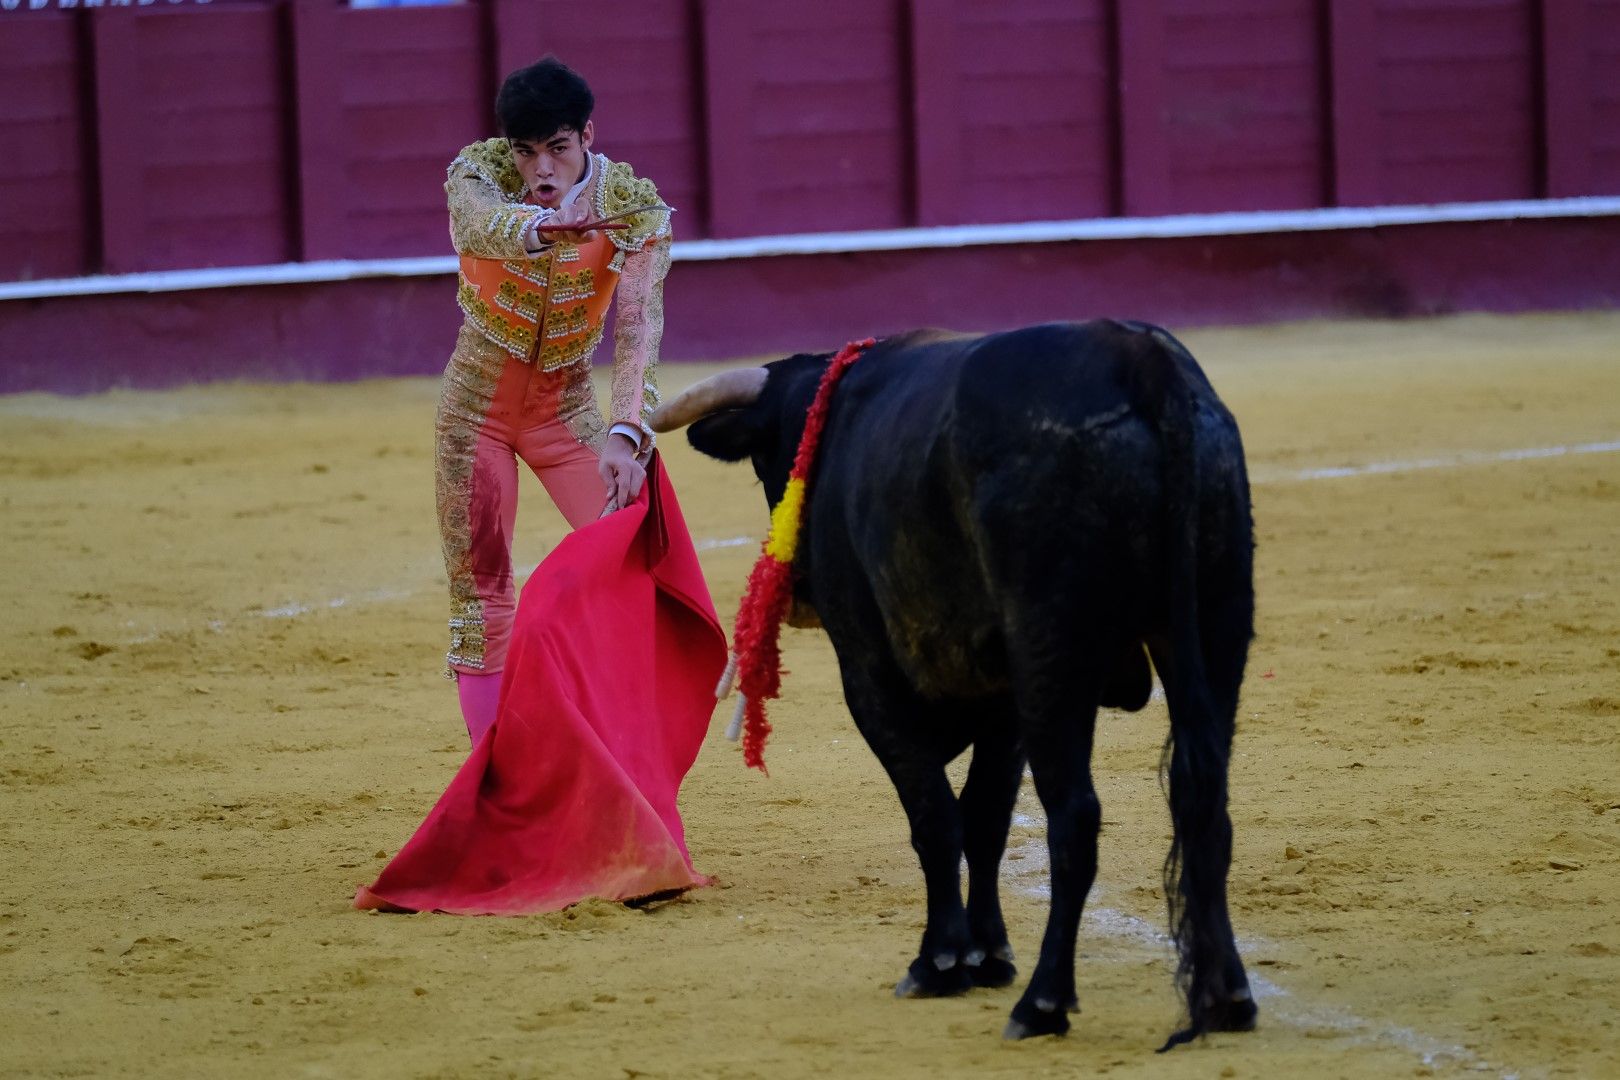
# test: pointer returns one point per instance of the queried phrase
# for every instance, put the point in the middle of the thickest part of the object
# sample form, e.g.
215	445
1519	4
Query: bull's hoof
1233	1016
1239	1014
942	976
993	973
994	969
1040	1017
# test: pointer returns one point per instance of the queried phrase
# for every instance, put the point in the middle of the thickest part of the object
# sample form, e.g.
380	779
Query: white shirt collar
575	191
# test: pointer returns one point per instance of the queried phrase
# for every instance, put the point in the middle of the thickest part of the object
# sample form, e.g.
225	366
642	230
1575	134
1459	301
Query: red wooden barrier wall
46	225
1243	110
191	148
807	116
384	99
1014	111
1586	58
261	131
1456	98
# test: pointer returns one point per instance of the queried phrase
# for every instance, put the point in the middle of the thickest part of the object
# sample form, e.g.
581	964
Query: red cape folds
608	690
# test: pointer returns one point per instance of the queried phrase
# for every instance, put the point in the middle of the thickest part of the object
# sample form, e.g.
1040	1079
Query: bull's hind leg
1226	625
914	752
1058	706
1210	971
987	805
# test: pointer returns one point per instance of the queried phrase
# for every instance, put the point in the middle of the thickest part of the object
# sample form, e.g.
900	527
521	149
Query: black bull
998	527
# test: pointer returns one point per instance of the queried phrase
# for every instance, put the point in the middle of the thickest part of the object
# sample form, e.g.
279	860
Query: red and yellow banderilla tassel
756	662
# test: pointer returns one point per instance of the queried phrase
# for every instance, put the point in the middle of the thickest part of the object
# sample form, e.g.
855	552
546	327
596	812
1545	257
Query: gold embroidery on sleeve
620	189
484	192
638	334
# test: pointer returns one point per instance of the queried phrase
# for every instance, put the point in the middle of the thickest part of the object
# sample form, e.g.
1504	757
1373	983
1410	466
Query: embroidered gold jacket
550	309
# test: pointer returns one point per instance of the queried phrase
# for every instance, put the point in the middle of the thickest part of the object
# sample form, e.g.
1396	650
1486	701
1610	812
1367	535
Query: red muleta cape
608	690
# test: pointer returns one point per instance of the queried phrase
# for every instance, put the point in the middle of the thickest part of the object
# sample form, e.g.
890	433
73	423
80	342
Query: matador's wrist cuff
640	436
629	431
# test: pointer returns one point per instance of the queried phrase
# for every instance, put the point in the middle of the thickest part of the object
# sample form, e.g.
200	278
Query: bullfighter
535	282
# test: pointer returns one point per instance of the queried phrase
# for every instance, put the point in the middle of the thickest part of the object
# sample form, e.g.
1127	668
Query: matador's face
553	165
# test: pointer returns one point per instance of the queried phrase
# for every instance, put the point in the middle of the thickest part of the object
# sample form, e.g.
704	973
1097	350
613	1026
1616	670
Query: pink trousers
487	421
491	413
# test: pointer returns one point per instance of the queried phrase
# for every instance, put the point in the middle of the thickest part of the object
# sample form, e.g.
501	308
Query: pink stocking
479	696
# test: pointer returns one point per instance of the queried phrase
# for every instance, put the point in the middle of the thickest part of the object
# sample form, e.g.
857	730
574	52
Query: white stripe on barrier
831	243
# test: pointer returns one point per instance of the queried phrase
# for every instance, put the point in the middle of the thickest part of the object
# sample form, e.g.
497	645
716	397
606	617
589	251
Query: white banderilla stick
722	691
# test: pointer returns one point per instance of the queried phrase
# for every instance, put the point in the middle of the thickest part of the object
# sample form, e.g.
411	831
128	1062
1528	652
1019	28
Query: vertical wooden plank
935	117
318	73
1144	146
519	41
48	149
728	85
1353	101
120	158
701	223
90	247
1566	98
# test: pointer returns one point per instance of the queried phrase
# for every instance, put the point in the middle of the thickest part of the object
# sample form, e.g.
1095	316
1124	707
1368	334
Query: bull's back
1060	435
1068	379
976	469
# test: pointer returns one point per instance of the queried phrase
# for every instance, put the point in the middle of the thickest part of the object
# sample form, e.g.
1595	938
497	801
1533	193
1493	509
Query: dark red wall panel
44	189
806	116
828	116
1023	94
1603	26
1457	100
1245	113
411	93
206	94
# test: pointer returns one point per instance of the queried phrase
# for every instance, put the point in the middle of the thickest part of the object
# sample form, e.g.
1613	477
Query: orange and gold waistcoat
549	309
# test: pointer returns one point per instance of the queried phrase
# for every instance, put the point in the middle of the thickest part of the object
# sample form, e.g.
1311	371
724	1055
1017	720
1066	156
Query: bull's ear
729	435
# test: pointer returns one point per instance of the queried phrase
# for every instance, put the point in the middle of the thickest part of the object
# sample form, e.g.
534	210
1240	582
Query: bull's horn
727	390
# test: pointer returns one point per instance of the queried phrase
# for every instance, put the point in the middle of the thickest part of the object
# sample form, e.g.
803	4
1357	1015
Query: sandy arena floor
220	708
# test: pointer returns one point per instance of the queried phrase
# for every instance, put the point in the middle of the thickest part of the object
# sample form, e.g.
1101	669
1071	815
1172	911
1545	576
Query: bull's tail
1197	751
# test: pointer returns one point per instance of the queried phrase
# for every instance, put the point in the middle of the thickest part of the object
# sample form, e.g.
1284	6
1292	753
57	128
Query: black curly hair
542	99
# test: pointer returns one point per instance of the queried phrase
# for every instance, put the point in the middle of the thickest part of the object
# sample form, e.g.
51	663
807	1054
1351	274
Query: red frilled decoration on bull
756	663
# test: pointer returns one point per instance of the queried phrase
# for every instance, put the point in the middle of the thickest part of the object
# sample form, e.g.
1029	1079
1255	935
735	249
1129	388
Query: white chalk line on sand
735	541
374	596
296	608
1446	461
1027	869
1260	476
1461	459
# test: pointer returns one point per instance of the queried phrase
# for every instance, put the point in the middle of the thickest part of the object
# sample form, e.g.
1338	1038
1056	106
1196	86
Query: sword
612	221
